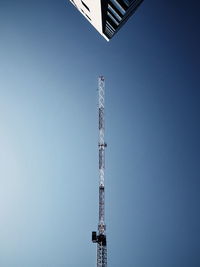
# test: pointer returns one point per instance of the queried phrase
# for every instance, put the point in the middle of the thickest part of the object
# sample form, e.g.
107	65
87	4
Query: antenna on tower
100	237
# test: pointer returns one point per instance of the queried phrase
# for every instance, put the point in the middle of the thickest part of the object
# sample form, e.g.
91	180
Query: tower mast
100	237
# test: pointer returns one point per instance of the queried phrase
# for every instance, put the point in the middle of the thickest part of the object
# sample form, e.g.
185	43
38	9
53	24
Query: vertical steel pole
100	238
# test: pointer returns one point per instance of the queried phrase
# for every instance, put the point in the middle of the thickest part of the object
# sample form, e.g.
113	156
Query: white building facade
107	16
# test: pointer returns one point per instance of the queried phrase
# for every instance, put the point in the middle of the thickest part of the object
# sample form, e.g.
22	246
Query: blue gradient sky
50	58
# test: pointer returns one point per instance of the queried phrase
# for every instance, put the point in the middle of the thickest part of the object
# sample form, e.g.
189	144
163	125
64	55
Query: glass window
85	6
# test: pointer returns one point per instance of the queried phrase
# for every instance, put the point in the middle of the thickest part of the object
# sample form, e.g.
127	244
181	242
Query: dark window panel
85	6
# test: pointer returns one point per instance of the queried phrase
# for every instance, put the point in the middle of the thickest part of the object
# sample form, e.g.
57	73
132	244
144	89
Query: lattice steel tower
100	238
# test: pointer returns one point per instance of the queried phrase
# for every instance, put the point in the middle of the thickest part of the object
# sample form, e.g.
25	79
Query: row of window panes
112	18
114	12
118	6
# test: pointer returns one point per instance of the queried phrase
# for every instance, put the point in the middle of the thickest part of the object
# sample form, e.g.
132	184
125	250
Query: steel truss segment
101	255
101	90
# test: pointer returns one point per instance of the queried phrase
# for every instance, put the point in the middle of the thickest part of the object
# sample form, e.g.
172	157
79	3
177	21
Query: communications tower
100	236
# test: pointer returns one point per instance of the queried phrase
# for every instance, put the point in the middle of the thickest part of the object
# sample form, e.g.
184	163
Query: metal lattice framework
100	238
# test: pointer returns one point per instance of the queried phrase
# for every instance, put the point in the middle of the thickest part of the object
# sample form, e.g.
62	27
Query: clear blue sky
50	59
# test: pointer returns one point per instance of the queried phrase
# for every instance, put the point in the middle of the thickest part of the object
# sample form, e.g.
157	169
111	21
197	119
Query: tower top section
107	16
